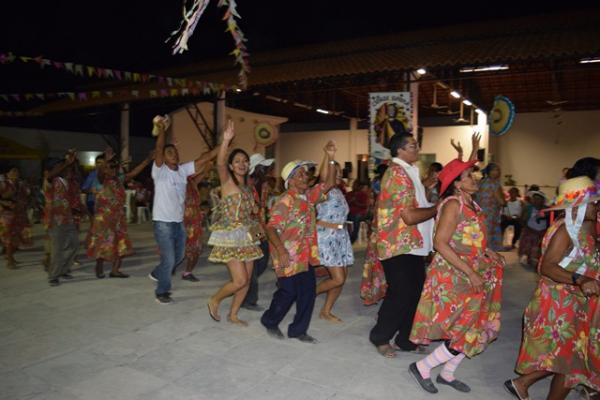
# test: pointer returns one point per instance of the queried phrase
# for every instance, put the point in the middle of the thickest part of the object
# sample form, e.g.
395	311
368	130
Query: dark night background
130	34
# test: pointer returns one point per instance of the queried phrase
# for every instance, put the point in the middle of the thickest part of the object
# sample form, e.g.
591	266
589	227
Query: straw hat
451	171
258	159
290	169
575	192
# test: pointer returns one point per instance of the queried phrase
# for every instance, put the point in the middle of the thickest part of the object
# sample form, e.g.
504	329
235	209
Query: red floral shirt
293	216
394	237
58	207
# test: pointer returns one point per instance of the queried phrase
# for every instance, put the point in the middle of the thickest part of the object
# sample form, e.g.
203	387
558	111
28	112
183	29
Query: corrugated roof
519	39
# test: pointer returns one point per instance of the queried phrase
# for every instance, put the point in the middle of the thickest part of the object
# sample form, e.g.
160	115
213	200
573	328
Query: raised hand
228	133
457	146
330	149
475	139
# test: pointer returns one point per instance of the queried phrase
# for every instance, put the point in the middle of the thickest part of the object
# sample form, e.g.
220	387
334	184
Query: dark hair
380	170
486	171
398	141
232	155
100	157
168	146
587	166
260	176
534	187
436	166
451	190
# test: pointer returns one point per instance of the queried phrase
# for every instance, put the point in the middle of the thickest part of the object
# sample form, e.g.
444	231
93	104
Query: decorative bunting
192	15
106	73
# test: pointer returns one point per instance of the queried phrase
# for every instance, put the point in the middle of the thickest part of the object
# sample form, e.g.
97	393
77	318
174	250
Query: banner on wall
389	113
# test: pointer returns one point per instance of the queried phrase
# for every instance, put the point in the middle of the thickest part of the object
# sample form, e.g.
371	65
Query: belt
330	225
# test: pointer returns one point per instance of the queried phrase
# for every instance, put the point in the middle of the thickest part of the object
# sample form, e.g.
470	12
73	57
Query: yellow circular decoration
265	134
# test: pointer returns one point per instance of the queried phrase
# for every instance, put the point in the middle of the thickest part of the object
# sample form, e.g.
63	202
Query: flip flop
210	312
386	350
510	387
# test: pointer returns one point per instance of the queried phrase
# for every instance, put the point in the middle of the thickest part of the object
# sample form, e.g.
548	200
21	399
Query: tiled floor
109	340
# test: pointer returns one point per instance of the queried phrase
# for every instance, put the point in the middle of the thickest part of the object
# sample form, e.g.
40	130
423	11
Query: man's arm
205	158
160	145
414	216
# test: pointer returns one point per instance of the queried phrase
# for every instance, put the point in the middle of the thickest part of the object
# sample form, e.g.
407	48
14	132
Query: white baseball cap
258	159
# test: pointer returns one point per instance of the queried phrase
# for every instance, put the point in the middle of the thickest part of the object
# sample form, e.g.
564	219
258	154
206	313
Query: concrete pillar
125	132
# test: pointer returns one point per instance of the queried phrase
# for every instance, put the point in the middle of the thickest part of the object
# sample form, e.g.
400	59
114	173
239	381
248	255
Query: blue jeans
170	237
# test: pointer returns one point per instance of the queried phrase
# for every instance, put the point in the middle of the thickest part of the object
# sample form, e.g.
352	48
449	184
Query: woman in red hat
460	302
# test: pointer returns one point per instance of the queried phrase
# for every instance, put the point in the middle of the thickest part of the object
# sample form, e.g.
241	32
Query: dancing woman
460	302
561	325
107	238
236	232
335	248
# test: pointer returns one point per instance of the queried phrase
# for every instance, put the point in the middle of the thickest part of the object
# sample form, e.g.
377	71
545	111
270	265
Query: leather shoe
456	384
306	338
426	384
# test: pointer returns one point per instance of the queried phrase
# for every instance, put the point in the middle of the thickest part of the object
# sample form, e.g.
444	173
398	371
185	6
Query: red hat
451	171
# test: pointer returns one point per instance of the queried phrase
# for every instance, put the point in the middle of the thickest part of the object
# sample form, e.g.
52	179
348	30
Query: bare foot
213	310
237	321
330	317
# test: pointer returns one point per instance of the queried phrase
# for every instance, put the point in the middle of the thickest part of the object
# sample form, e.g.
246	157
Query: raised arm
159	124
329	159
446	227
228	135
140	167
58	169
201	161
475	139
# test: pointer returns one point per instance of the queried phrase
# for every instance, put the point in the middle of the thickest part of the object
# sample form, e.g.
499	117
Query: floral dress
107	238
492	210
234	232
449	308
373	284
15	229
335	249
193	218
561	327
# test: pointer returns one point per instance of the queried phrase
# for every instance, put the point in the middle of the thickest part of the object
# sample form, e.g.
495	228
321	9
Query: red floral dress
561	327
108	238
449	308
193	218
373	284
15	229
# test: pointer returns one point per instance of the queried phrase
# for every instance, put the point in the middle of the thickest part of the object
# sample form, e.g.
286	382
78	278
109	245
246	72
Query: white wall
537	148
309	146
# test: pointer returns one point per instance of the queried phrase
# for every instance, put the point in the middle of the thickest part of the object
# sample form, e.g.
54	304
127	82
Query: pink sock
438	357
450	367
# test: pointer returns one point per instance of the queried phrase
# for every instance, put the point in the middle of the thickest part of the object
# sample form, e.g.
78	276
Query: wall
190	143
309	146
537	148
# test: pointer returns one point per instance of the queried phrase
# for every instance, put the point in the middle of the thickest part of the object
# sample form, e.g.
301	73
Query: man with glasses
404	239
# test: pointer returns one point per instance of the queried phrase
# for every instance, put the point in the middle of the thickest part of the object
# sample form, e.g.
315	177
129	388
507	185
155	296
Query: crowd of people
433	257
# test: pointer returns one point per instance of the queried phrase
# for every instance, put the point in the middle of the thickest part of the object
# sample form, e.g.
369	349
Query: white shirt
513	208
169	191
425	228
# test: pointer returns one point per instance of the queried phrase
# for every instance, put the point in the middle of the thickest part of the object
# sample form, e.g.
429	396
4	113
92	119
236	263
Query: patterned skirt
107	238
15	230
373	284
193	241
530	244
561	334
450	309
233	244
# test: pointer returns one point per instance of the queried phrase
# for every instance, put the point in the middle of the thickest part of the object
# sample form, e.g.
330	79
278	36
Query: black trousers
300	288
260	266
405	276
